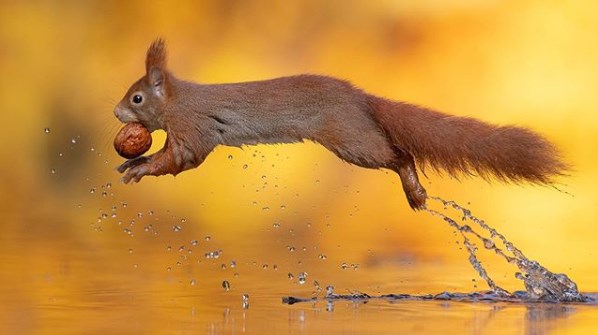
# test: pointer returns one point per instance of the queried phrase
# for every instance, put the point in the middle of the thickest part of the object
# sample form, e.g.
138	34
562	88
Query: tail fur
466	146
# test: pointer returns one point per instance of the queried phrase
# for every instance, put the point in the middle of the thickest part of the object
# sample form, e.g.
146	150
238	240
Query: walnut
133	140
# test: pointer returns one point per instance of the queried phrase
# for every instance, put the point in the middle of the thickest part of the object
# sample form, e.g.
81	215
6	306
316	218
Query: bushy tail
462	145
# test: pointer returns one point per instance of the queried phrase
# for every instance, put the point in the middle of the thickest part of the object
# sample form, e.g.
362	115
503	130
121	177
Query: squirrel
360	128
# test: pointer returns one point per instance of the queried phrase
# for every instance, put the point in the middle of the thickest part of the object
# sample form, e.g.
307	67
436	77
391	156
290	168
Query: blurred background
69	225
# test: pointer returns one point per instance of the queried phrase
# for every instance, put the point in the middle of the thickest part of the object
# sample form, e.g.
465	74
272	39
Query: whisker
108	127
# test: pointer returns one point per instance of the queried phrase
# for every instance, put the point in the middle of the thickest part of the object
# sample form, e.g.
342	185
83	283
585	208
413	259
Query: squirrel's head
145	99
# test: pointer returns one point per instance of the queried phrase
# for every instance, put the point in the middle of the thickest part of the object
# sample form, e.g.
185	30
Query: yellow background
64	65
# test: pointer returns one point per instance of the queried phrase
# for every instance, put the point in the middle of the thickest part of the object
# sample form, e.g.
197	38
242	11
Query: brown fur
462	145
359	128
156	55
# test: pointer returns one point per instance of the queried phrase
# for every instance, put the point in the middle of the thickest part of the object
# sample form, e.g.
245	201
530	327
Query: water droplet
226	285
290	275
230	157
245	166
130	251
168	269
176	228
283	207
302	277
194	242
488	244
212	254
344	266
53	171
245	300
208	238
317	285
265	267
465	228
276	225
183	220
168	248
92	190
74	141
291	248
193	282
322	256
47	130
233	264
92	149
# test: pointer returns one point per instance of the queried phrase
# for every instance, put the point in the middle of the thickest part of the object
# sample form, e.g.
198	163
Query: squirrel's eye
137	99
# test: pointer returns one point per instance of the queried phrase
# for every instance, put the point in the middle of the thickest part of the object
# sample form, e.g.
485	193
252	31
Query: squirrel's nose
124	114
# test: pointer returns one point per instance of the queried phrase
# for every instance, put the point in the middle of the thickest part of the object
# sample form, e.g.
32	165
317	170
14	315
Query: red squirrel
360	128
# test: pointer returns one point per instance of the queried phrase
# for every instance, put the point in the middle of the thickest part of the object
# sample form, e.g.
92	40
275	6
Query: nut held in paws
133	140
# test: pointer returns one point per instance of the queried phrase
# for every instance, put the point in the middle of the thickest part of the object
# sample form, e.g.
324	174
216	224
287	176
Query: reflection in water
543	318
539	318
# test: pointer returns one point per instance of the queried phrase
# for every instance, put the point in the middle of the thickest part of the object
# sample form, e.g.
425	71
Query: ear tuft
158	81
156	56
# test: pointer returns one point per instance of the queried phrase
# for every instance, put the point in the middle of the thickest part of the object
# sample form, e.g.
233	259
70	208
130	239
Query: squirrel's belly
253	137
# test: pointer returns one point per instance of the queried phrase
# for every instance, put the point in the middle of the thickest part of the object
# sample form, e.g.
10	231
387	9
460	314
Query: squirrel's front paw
135	169
131	163
135	173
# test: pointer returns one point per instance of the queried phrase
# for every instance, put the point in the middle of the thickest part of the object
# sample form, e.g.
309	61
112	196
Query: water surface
65	287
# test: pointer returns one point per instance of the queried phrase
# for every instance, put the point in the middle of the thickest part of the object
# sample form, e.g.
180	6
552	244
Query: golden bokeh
64	65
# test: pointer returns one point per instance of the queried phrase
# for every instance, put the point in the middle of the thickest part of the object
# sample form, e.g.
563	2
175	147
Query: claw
132	163
417	199
135	173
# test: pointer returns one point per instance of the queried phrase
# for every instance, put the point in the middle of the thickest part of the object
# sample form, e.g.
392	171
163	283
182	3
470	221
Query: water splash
486	296
540	283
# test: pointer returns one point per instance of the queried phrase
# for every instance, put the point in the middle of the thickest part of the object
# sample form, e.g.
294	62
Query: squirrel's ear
157	78
156	56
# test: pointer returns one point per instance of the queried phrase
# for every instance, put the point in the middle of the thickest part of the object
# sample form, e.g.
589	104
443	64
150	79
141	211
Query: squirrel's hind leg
388	157
404	166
